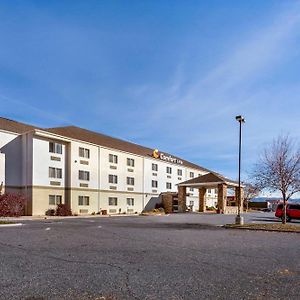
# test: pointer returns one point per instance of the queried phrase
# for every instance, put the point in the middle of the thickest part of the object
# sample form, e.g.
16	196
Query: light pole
239	220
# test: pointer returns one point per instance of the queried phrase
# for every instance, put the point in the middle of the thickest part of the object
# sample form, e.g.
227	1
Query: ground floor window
130	201
55	199
83	200
113	201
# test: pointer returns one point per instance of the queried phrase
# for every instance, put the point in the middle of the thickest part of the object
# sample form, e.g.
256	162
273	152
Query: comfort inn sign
169	158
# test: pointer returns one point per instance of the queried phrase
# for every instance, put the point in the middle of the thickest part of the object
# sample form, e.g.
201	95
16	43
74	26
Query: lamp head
240	119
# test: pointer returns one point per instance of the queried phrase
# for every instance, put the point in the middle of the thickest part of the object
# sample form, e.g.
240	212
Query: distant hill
265	199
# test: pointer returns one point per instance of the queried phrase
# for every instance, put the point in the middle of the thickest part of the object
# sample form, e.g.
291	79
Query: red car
292	211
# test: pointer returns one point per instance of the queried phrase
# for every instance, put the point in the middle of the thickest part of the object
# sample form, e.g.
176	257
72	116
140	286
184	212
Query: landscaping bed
266	227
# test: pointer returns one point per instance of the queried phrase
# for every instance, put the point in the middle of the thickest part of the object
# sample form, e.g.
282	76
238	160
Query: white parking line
48	228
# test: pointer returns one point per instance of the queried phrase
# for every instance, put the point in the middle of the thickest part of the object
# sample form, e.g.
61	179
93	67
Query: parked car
292	211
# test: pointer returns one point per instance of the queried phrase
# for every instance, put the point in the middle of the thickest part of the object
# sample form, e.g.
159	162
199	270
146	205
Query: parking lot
184	256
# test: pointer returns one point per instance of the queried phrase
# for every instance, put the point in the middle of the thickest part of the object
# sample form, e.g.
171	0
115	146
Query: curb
11	225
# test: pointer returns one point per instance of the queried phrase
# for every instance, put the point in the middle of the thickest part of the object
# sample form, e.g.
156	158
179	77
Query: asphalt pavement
184	256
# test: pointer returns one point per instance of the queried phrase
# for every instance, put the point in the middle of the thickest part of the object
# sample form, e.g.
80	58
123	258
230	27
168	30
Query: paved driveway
170	257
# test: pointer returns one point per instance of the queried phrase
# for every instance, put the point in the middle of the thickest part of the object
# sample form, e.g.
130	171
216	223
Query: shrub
12	205
50	212
63	210
210	208
159	205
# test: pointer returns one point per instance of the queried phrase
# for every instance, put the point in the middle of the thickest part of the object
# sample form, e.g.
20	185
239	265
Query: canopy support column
181	198
202	200
222	198
237	195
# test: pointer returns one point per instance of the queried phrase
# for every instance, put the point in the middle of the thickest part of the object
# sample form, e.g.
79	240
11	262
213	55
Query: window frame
113	158
110	199
114	179
85	175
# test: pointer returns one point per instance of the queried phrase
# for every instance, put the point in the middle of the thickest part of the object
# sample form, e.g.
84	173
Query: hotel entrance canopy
208	181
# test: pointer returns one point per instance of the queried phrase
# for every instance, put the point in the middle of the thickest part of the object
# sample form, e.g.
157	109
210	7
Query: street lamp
239	220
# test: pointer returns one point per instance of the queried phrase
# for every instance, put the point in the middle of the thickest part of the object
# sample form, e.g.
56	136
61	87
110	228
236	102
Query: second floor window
113	179
192	174
84	175
179	172
55	148
169	170
169	185
130	180
130	162
154	183
113	158
84	152
55	173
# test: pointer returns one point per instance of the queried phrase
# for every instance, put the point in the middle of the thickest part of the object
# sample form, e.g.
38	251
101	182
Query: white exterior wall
11	145
76	165
2	171
121	171
42	161
29	160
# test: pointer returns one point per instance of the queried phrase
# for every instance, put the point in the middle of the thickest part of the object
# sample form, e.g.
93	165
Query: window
130	201
130	180
192	174
169	170
83	200
55	172
169	185
130	162
113	201
55	148
154	183
179	172
113	158
154	167
84	152
113	179
191	202
191	189
209	191
55	199
216	191
84	175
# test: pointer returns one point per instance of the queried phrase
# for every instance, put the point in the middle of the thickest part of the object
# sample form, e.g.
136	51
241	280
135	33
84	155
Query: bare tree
250	191
279	169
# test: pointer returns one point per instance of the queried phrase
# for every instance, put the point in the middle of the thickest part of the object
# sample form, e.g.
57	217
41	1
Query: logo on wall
156	154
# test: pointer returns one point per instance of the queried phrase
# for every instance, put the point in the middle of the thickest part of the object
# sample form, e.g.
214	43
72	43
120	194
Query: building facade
88	170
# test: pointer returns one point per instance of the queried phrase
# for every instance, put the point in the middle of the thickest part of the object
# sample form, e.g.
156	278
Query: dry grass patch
266	227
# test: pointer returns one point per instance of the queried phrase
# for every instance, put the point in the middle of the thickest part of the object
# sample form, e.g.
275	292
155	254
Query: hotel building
88	170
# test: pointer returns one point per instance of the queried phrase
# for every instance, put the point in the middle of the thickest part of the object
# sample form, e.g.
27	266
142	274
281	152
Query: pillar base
239	220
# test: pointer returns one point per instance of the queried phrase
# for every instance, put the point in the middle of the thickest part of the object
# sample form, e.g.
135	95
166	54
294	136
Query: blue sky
165	74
